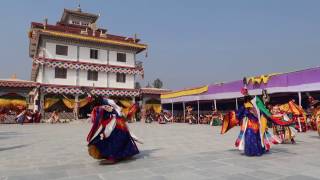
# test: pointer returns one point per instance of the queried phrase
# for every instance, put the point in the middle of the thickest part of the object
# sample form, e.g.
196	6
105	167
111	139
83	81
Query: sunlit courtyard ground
171	151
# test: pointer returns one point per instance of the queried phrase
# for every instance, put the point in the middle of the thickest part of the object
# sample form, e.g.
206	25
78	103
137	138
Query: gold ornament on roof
261	79
14	76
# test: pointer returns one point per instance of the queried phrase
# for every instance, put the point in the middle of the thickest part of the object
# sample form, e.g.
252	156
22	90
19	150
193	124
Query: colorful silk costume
285	133
289	112
315	113
316	118
254	138
297	113
109	137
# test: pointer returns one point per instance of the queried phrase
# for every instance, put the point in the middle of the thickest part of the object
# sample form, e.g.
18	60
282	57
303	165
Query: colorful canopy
298	81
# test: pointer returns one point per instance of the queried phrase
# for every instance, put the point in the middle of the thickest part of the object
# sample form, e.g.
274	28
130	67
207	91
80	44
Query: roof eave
138	46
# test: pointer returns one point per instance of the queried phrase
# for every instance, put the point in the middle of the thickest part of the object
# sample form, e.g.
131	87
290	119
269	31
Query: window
76	22
60	73
62	50
121	77
121	57
92	75
84	24
93	54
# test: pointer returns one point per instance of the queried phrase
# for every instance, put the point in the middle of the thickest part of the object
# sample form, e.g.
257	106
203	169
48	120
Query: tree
137	85
157	83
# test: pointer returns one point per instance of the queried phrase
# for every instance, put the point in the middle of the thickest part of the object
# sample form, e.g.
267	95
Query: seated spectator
29	116
36	116
21	117
216	119
206	119
2	114
54	117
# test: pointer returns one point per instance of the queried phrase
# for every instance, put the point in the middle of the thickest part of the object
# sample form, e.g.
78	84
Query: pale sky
191	43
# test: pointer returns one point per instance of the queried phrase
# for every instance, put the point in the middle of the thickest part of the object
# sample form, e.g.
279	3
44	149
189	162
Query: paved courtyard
172	151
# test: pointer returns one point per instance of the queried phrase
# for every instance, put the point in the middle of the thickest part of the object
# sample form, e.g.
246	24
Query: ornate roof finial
45	23
135	36
13	76
79	6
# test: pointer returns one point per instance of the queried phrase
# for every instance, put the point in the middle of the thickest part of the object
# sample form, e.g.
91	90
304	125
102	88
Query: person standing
254	138
76	109
285	133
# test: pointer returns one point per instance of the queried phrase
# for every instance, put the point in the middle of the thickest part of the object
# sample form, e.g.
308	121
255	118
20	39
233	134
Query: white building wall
105	79
39	75
50	52
41	52
113	59
102	79
84	55
38	79
49	77
129	84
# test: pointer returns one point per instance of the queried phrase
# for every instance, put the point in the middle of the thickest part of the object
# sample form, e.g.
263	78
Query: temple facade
75	53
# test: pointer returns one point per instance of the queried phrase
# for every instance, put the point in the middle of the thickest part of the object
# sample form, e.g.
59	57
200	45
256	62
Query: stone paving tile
238	177
60	167
91	177
260	174
173	151
209	173
299	177
170	169
311	173
145	178
41	176
81	172
128	174
12	172
250	165
184	176
205	165
222	171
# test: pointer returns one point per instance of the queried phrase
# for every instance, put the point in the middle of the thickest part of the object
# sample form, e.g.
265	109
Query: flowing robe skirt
119	145
252	140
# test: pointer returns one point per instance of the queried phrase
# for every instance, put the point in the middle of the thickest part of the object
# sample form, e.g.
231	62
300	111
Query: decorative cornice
88	66
154	91
97	91
18	84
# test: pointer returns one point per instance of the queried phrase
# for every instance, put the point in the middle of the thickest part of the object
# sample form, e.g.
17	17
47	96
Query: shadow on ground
271	151
12	147
146	153
143	154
